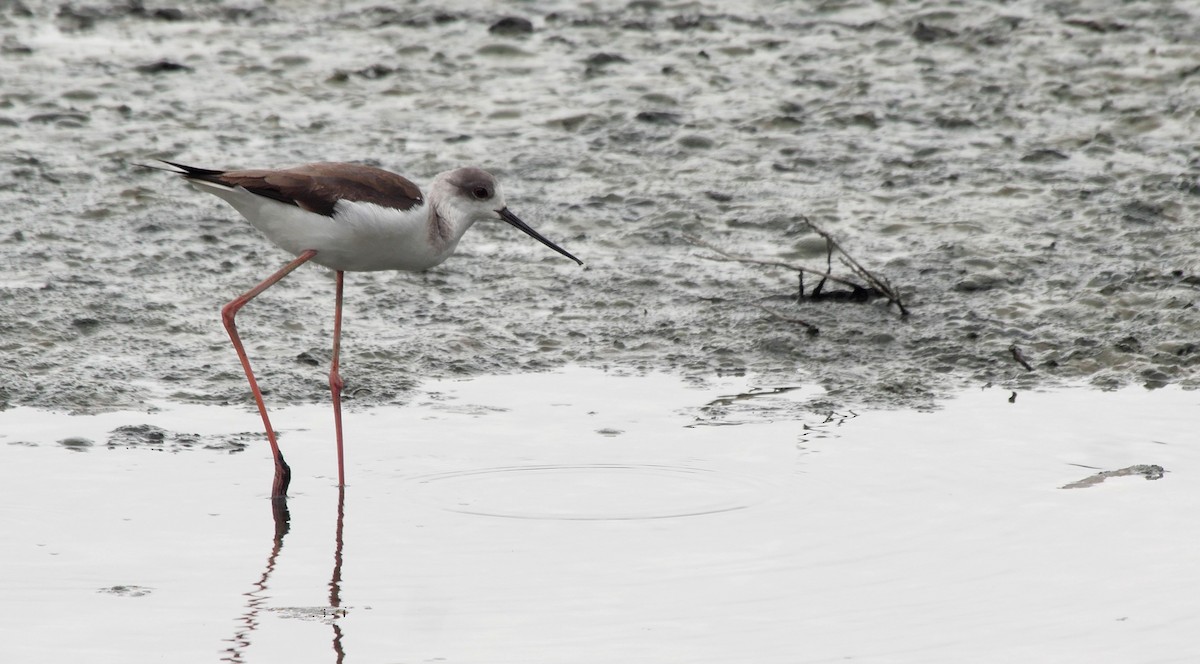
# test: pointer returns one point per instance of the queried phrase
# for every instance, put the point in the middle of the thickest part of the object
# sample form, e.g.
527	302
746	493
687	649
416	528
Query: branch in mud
811	329
865	287
877	284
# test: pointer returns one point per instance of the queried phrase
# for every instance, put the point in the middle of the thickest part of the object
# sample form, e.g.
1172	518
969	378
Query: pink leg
335	381
283	474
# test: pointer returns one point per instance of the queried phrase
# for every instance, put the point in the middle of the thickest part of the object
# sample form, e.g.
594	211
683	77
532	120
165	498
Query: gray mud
1025	172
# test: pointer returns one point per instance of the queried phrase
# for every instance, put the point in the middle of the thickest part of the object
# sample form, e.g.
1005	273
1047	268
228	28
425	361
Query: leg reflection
335	582
256	598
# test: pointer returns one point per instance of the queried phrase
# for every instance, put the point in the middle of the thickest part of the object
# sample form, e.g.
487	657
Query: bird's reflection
335	581
256	597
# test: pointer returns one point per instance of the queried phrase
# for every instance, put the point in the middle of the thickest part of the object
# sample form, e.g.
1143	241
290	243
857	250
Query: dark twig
875	286
725	256
878	283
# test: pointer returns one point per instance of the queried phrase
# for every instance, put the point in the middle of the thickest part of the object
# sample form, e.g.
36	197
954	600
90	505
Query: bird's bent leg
335	380
283	474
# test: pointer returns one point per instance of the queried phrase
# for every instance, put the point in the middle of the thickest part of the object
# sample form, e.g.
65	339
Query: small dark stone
790	108
310	358
167	14
76	443
66	117
511	26
1096	26
867	120
953	123
604	59
598	62
658	117
1043	155
928	34
162	66
695	141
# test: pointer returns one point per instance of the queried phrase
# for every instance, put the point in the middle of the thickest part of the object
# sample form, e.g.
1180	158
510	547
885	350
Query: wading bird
349	218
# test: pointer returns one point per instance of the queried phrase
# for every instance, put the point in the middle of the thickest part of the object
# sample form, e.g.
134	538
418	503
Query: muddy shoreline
1027	175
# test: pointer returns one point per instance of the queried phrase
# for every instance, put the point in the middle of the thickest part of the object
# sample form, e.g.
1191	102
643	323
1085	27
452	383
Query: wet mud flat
1025	173
584	516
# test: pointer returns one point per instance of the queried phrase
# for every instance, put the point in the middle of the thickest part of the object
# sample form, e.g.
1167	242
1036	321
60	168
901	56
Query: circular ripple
590	492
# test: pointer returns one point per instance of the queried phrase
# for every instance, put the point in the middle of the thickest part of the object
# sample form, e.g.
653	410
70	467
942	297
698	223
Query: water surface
565	517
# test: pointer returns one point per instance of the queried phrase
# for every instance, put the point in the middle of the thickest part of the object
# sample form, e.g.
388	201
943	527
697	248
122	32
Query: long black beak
524	227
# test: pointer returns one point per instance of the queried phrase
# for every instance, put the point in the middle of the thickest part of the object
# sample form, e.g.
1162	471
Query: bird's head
467	195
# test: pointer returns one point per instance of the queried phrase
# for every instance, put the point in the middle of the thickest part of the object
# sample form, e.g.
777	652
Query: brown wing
318	187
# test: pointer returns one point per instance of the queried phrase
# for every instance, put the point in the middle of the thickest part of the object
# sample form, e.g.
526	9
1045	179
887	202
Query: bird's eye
481	193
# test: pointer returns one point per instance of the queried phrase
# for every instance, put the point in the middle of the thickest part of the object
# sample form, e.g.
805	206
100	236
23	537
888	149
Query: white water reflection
894	536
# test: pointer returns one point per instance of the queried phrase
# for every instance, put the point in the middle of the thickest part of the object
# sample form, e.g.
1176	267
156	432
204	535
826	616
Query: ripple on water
589	492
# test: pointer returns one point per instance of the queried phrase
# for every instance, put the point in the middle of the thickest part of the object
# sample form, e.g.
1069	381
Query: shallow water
1025	173
587	517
